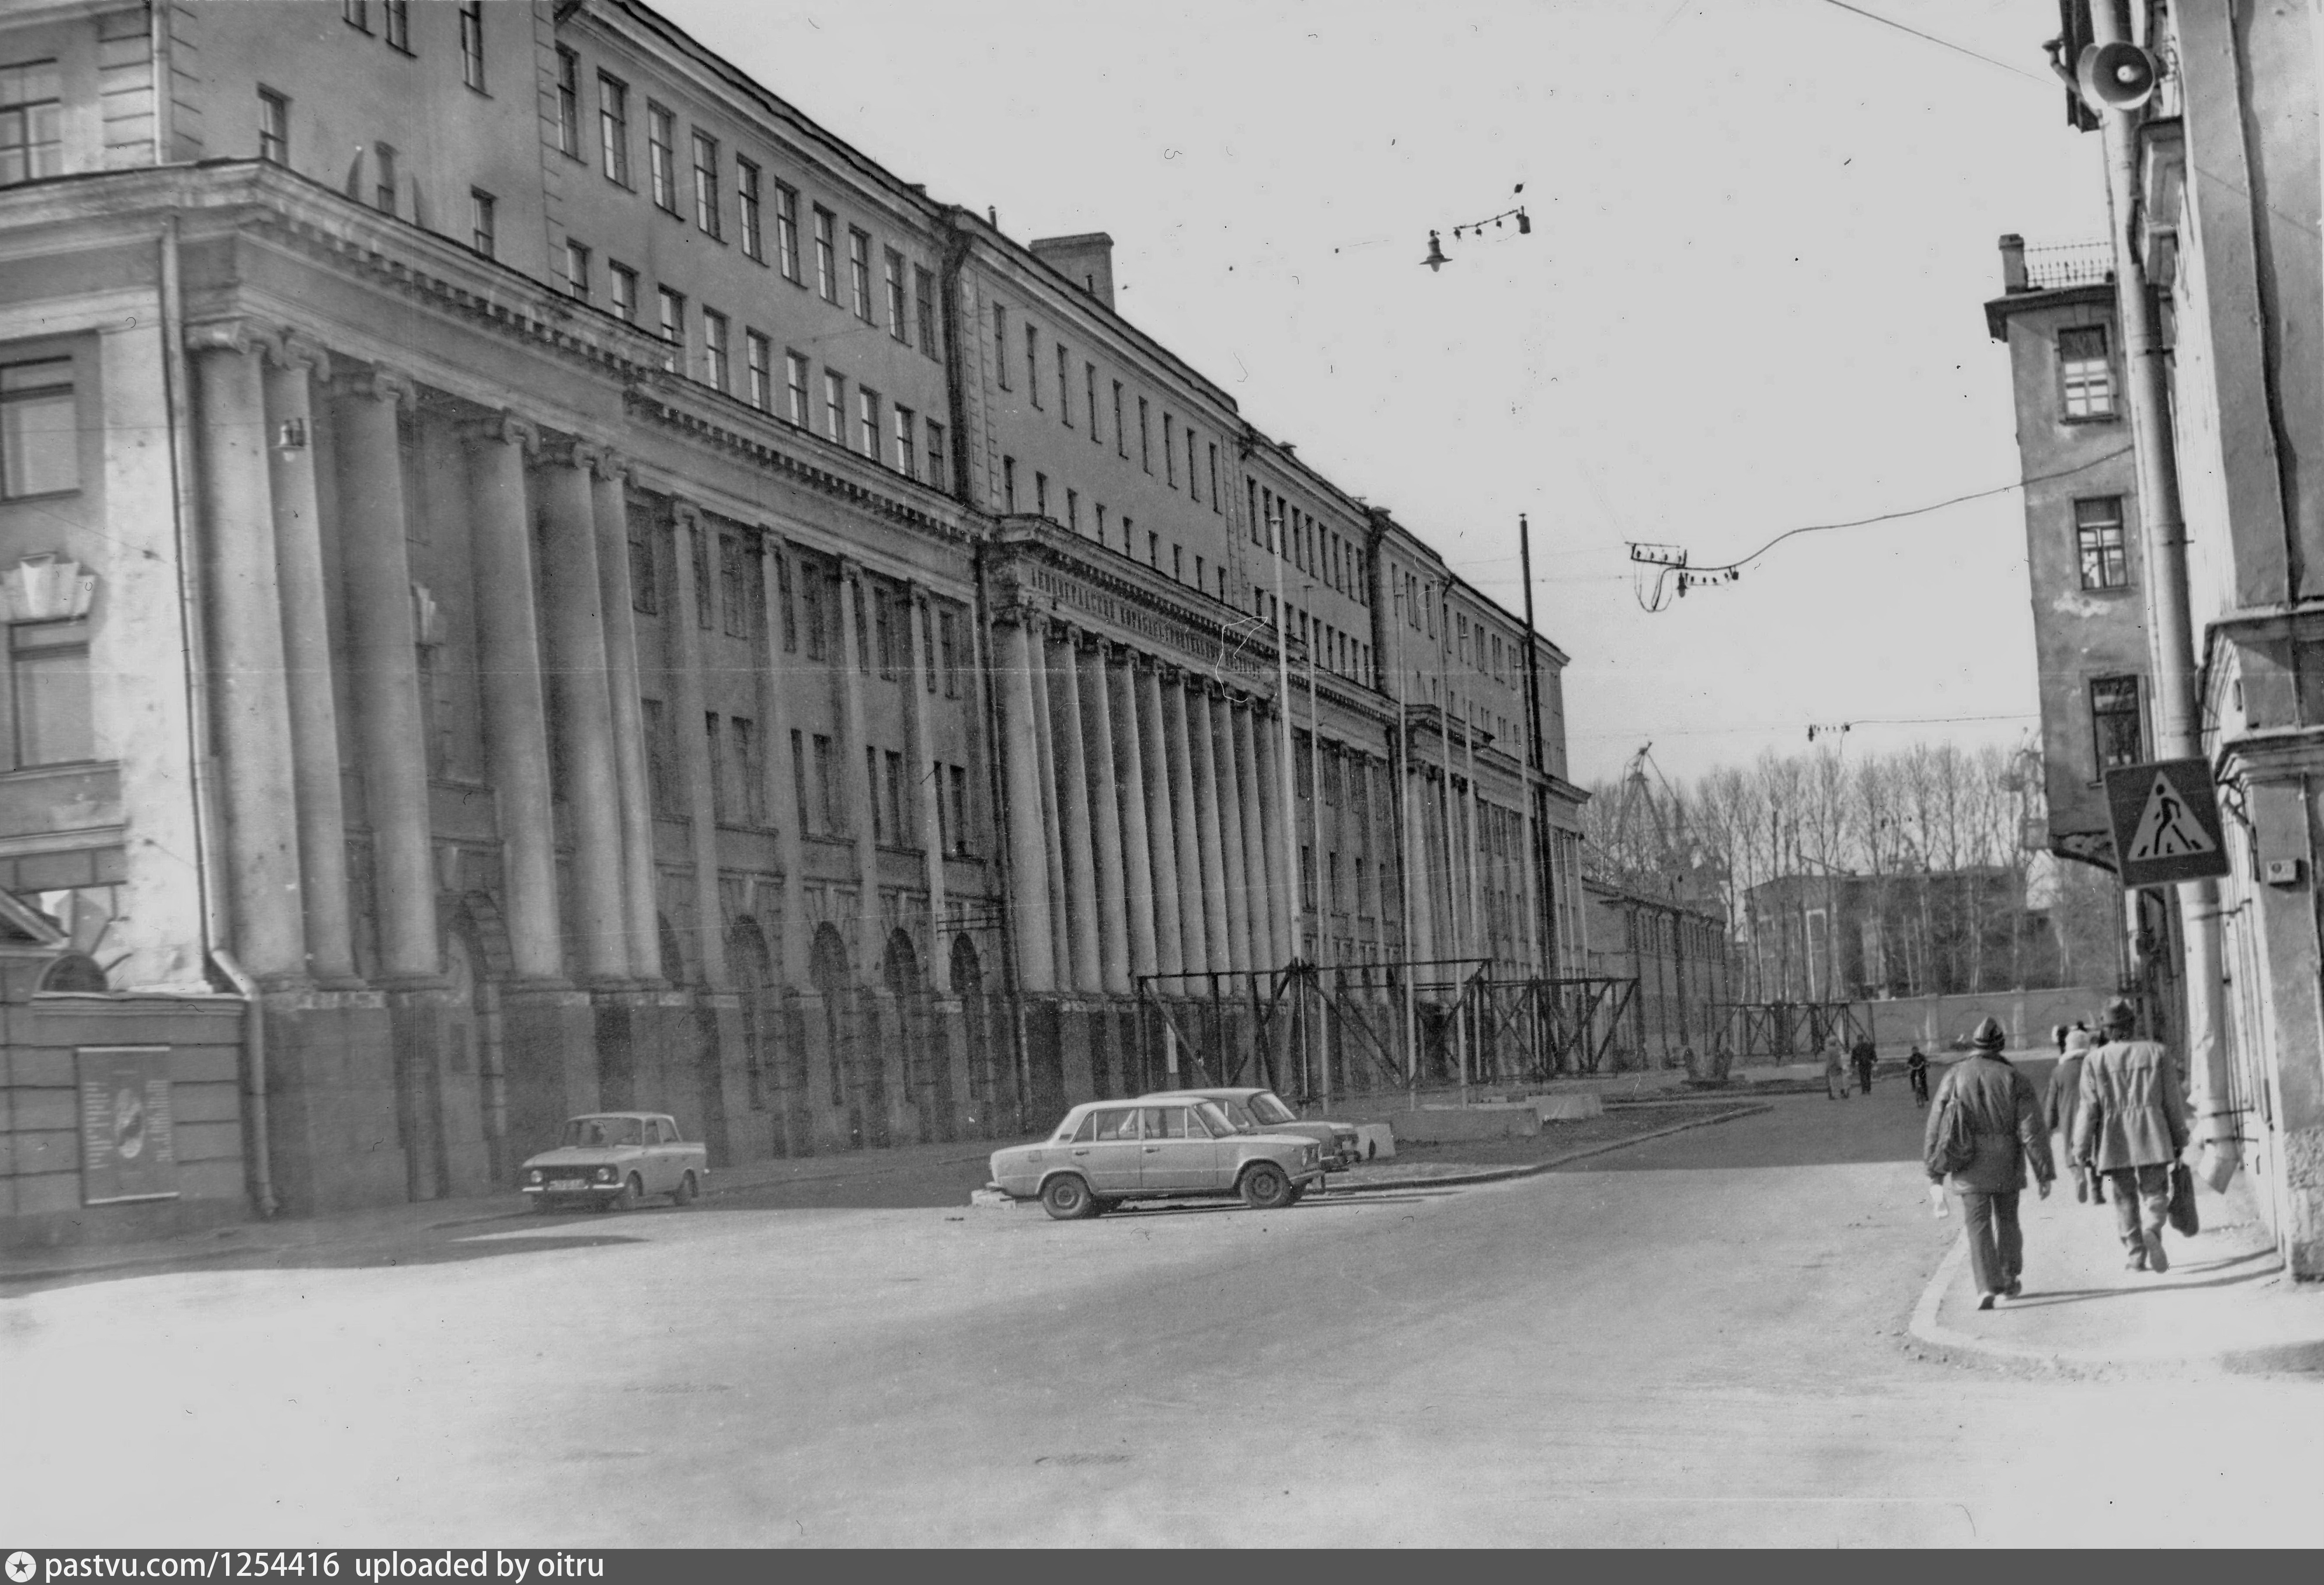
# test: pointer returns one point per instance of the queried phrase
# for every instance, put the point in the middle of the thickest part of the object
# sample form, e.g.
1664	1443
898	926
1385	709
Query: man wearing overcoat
2000	1119
2133	1126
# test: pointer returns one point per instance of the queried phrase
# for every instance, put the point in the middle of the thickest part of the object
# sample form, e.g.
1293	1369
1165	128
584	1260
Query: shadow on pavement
2036	1298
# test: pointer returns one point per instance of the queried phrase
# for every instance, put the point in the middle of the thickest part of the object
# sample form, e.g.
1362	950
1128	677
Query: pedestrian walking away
1863	1056
1916	1070
1835	1071
1983	1134
2062	1103
2131	1126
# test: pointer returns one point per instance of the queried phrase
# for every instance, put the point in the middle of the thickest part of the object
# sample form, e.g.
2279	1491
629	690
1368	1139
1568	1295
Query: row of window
1176	437
904	294
395	27
822	803
1307	543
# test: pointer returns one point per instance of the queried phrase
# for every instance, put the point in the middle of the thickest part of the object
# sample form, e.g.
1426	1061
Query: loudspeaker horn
2116	77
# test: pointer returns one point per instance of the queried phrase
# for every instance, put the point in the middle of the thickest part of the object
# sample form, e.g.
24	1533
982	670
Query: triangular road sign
2166	828
2166	816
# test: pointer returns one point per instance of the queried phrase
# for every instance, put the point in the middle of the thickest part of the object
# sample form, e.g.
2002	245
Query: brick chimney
1086	261
2013	262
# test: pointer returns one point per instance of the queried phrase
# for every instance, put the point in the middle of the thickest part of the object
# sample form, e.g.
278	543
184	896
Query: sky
1763	231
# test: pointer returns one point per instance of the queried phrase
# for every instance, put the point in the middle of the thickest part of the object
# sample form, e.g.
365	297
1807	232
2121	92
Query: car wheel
1066	1198
1298	1193
632	1194
1265	1187
684	1195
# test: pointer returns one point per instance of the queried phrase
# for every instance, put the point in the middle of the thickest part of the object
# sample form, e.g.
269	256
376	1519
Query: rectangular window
2098	543
624	282
1089	399
273	128
398	27
1064	386
867	422
644	591
923	307
746	205
1193	488
662	155
1097	510
814	596
826	256
482	231
733	586
1033	365
826	805
2084	373
1008	484
714	349
1179	563
720	809
1145	450
1169	451
471	44
1041	494
577	270
879	813
707	216
883	633
783	600
834	408
40	429
2115	722
757	358
613	127
661	795
959	809
1153	545
936	455
1000	345
787	247
569	102
858	273
750	802
948	652
894	763
804	813
795	389
1215	504
355	14
1074	509
49	683
899	325
384	185
907	442
706	596
673	328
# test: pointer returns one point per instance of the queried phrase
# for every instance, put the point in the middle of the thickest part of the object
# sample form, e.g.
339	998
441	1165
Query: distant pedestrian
2132	1126
1917	1069
1835	1071
2062	1104
1983	1133
1863	1056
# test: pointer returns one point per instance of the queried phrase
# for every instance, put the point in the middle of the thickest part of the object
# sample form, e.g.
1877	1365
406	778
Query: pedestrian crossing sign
2166	822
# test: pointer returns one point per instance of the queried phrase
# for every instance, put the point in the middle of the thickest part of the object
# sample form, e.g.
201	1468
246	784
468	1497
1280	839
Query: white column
1105	817
922	767
780	779
1137	785
633	858
1029	841
1218	941
1231	806
1182	829
1074	818
684	633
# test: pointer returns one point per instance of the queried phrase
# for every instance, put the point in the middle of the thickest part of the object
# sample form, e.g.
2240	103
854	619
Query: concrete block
1376	1141
1442	1125
1567	1109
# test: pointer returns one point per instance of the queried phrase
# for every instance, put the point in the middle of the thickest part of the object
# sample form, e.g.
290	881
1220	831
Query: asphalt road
1699	1340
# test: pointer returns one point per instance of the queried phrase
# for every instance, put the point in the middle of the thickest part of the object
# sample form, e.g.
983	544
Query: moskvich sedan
1108	1151
615	1159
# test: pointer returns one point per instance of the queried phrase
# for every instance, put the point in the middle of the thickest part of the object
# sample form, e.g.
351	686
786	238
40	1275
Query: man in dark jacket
2133	1126
1984	1130
1863	1056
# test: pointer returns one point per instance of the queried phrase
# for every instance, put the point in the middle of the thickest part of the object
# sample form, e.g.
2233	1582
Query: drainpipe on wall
2170	622
253	1059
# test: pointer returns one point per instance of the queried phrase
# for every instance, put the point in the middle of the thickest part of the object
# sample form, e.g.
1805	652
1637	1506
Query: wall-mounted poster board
126	1148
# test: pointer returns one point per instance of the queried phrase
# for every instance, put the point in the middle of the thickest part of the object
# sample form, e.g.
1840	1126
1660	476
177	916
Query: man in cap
2062	1104
1985	1128
2132	1126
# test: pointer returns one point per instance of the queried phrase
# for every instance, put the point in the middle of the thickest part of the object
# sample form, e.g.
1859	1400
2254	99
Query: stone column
1276	857
1137	786
1419	865
574	629
1229	773
1028	867
1074	818
609	515
1261	906
870	946
1529	892
921	765
1053	851
779	778
308	667
384	667
1374	900
1183	828
516	715
258	780
1211	849
1105	817
684	633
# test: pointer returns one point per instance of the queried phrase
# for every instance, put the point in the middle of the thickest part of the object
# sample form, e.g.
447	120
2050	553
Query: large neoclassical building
539	578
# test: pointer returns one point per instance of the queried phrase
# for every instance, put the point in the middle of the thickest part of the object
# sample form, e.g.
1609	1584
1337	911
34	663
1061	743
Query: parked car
1264	1112
1153	1148
616	1159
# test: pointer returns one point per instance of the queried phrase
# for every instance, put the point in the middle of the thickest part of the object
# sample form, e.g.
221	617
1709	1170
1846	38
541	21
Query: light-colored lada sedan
1108	1151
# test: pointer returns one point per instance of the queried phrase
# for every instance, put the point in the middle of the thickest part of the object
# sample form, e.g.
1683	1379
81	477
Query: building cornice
2001	310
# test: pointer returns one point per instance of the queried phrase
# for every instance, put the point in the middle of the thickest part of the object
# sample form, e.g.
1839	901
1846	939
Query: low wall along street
1935	1022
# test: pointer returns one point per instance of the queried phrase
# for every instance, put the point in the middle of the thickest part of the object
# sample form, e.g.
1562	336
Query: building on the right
2216	199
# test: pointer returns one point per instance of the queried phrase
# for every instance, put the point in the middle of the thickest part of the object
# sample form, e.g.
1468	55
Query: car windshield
598	1131
1270	1110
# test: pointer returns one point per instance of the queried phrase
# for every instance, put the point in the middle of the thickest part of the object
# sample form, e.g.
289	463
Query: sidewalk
2226	1305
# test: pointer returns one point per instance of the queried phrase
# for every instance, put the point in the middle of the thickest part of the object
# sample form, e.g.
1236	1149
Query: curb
1534	1168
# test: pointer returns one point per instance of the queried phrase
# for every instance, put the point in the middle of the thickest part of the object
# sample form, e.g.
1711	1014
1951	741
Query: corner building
560	584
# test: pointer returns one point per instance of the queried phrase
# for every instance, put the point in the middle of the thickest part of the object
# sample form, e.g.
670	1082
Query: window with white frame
2084	372
39	428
